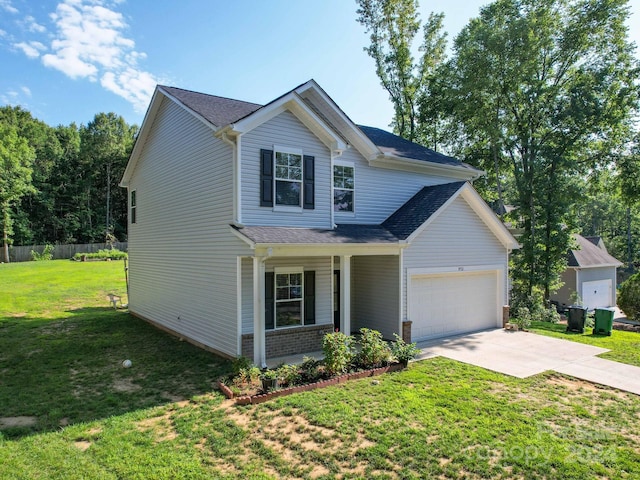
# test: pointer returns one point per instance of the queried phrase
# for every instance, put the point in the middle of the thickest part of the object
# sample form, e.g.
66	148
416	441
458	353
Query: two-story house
256	229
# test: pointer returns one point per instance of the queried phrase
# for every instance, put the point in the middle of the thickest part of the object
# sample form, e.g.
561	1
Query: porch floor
293	359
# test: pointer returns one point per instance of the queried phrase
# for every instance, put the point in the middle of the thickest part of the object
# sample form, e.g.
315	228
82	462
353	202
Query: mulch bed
263	397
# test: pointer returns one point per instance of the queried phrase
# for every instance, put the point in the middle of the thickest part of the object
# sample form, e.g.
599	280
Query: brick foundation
406	331
290	341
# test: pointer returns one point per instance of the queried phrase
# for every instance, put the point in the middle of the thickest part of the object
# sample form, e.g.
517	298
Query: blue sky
66	60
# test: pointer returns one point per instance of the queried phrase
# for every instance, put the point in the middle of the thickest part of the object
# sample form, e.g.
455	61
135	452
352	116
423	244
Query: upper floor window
343	187
287	179
132	216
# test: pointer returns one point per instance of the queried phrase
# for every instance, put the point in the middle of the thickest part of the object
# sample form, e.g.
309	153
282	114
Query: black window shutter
309	298
309	179
269	306
266	178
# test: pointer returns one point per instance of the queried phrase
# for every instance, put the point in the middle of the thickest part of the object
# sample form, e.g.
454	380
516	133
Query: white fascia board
156	101
141	139
604	265
326	250
246	240
487	215
293	103
363	144
418	231
420	166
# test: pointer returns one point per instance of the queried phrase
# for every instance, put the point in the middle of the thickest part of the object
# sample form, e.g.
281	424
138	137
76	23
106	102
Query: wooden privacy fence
23	253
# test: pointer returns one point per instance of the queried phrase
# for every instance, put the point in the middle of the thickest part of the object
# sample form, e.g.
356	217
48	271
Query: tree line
60	184
543	95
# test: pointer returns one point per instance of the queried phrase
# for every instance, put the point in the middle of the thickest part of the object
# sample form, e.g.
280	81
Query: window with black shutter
287	179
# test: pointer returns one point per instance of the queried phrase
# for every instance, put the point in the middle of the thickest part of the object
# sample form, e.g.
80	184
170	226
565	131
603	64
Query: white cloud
89	42
30	49
6	5
26	90
34	26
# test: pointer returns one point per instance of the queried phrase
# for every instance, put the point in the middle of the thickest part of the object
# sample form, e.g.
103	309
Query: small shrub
338	352
629	297
103	254
374	351
310	370
403	351
550	315
522	317
289	375
47	254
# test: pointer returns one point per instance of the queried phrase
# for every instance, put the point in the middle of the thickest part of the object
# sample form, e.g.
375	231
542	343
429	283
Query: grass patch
624	346
162	419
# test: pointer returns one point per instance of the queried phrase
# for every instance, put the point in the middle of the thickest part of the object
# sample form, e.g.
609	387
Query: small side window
132	216
343	187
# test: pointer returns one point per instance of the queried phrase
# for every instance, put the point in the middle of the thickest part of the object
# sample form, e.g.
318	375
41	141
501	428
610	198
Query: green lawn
624	346
60	357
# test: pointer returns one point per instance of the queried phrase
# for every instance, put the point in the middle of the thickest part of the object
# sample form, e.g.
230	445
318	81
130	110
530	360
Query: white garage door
596	294
449	304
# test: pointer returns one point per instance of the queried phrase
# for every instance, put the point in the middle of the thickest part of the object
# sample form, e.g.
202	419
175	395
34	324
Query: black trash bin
577	318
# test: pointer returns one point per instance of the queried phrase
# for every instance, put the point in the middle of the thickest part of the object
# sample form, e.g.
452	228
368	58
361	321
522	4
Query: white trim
421	166
326	249
286	271
345	294
352	165
239	305
454	269
238	165
259	343
401	312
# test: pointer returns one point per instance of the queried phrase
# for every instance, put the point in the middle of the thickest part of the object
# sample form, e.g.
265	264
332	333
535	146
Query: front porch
349	292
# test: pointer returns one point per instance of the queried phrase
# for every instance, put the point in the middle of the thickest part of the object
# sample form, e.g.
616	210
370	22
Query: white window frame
343	163
286	271
133	205
293	151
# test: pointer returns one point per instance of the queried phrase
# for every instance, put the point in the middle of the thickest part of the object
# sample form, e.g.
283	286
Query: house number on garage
461	269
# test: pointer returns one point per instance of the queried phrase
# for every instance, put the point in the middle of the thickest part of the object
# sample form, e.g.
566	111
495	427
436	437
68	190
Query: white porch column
259	350
345	294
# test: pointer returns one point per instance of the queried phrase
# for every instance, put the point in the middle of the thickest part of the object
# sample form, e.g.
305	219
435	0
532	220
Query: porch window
343	187
289	298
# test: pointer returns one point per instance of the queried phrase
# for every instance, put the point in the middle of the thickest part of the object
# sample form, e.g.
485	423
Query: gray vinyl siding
599	273
379	192
375	294
324	294
457	237
284	130
565	292
181	251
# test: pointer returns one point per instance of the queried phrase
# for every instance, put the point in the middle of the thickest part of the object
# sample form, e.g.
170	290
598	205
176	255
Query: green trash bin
603	322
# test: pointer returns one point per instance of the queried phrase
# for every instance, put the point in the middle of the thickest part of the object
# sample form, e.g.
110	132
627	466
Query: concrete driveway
522	354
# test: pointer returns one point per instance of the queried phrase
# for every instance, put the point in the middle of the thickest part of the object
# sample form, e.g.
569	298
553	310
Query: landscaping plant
403	351
374	351
629	297
338	350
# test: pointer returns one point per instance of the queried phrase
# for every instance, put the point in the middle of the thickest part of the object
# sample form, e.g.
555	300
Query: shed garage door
597	294
449	304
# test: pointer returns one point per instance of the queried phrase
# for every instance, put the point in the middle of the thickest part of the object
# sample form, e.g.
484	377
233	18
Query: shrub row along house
256	229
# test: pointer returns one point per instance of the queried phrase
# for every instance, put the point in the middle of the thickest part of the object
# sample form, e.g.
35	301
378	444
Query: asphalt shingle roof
399	147
340	235
404	221
589	255
218	110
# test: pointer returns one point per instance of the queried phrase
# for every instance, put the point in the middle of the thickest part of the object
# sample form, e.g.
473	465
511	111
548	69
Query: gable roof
409	217
588	255
219	111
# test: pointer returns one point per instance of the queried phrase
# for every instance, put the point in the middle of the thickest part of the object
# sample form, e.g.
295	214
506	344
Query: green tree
105	145
553	85
393	26
16	158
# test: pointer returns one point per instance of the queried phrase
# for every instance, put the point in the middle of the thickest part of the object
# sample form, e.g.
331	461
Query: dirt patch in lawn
161	427
125	385
10	422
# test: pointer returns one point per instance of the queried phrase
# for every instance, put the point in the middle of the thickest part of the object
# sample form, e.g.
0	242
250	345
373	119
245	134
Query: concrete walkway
522	354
